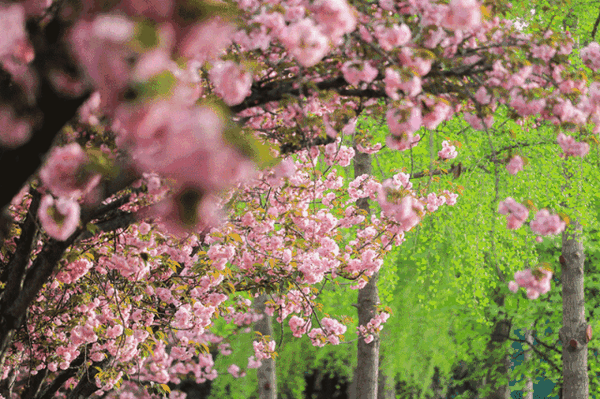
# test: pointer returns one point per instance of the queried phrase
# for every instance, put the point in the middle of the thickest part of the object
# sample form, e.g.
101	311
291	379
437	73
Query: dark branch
458	169
121	220
87	384
59	381
34	384
15	270
595	29
55	109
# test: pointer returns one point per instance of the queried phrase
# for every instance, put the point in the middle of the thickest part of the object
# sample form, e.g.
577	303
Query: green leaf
146	34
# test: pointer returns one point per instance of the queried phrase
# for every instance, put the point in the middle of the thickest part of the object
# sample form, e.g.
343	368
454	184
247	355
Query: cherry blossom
463	14
195	106
536	282
517	213
546	224
448	151
305	42
572	147
65	172
59	217
231	82
515	165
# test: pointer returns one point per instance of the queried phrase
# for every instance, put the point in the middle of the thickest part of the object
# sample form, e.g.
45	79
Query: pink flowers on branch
517	213
448	151
536	282
546	224
515	165
186	96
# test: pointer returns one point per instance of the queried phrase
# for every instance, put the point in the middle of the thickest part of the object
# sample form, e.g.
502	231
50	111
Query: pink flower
395	36
448	151
536	282
232	83
543	52
572	147
12	25
13	132
74	271
335	18
253	363
524	107
462	14
305	42
441	112
591	55
482	96
144	228
355	74
115	331
405	120
450	197
434	202
234	370
205	40
546	224
420	65
64	173
333	326
517	213
515	165
476	123
59	218
406	212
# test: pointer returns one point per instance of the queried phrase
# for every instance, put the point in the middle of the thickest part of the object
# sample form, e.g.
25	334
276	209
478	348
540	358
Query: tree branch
56	110
595	28
58	382
15	270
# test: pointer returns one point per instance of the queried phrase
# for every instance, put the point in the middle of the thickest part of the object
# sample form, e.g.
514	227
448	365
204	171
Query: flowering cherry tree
128	124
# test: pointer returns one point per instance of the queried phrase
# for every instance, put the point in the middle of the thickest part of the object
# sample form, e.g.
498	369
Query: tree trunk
573	332
528	391
352	385
437	391
267	378
368	298
499	365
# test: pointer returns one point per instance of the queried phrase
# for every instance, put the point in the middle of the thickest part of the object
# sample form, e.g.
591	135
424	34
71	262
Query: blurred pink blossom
59	218
546	224
516	212
515	165
536	282
448	151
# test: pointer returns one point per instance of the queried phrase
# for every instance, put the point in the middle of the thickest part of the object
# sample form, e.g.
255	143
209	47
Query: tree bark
499	365
368	298
267	377
573	332
528	391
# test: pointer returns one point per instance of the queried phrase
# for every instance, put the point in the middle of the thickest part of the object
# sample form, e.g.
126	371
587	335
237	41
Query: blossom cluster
536	282
174	93
373	327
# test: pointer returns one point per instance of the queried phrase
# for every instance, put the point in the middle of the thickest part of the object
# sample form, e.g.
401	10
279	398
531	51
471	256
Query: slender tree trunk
368	298
573	332
437	391
267	378
528	391
499	364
